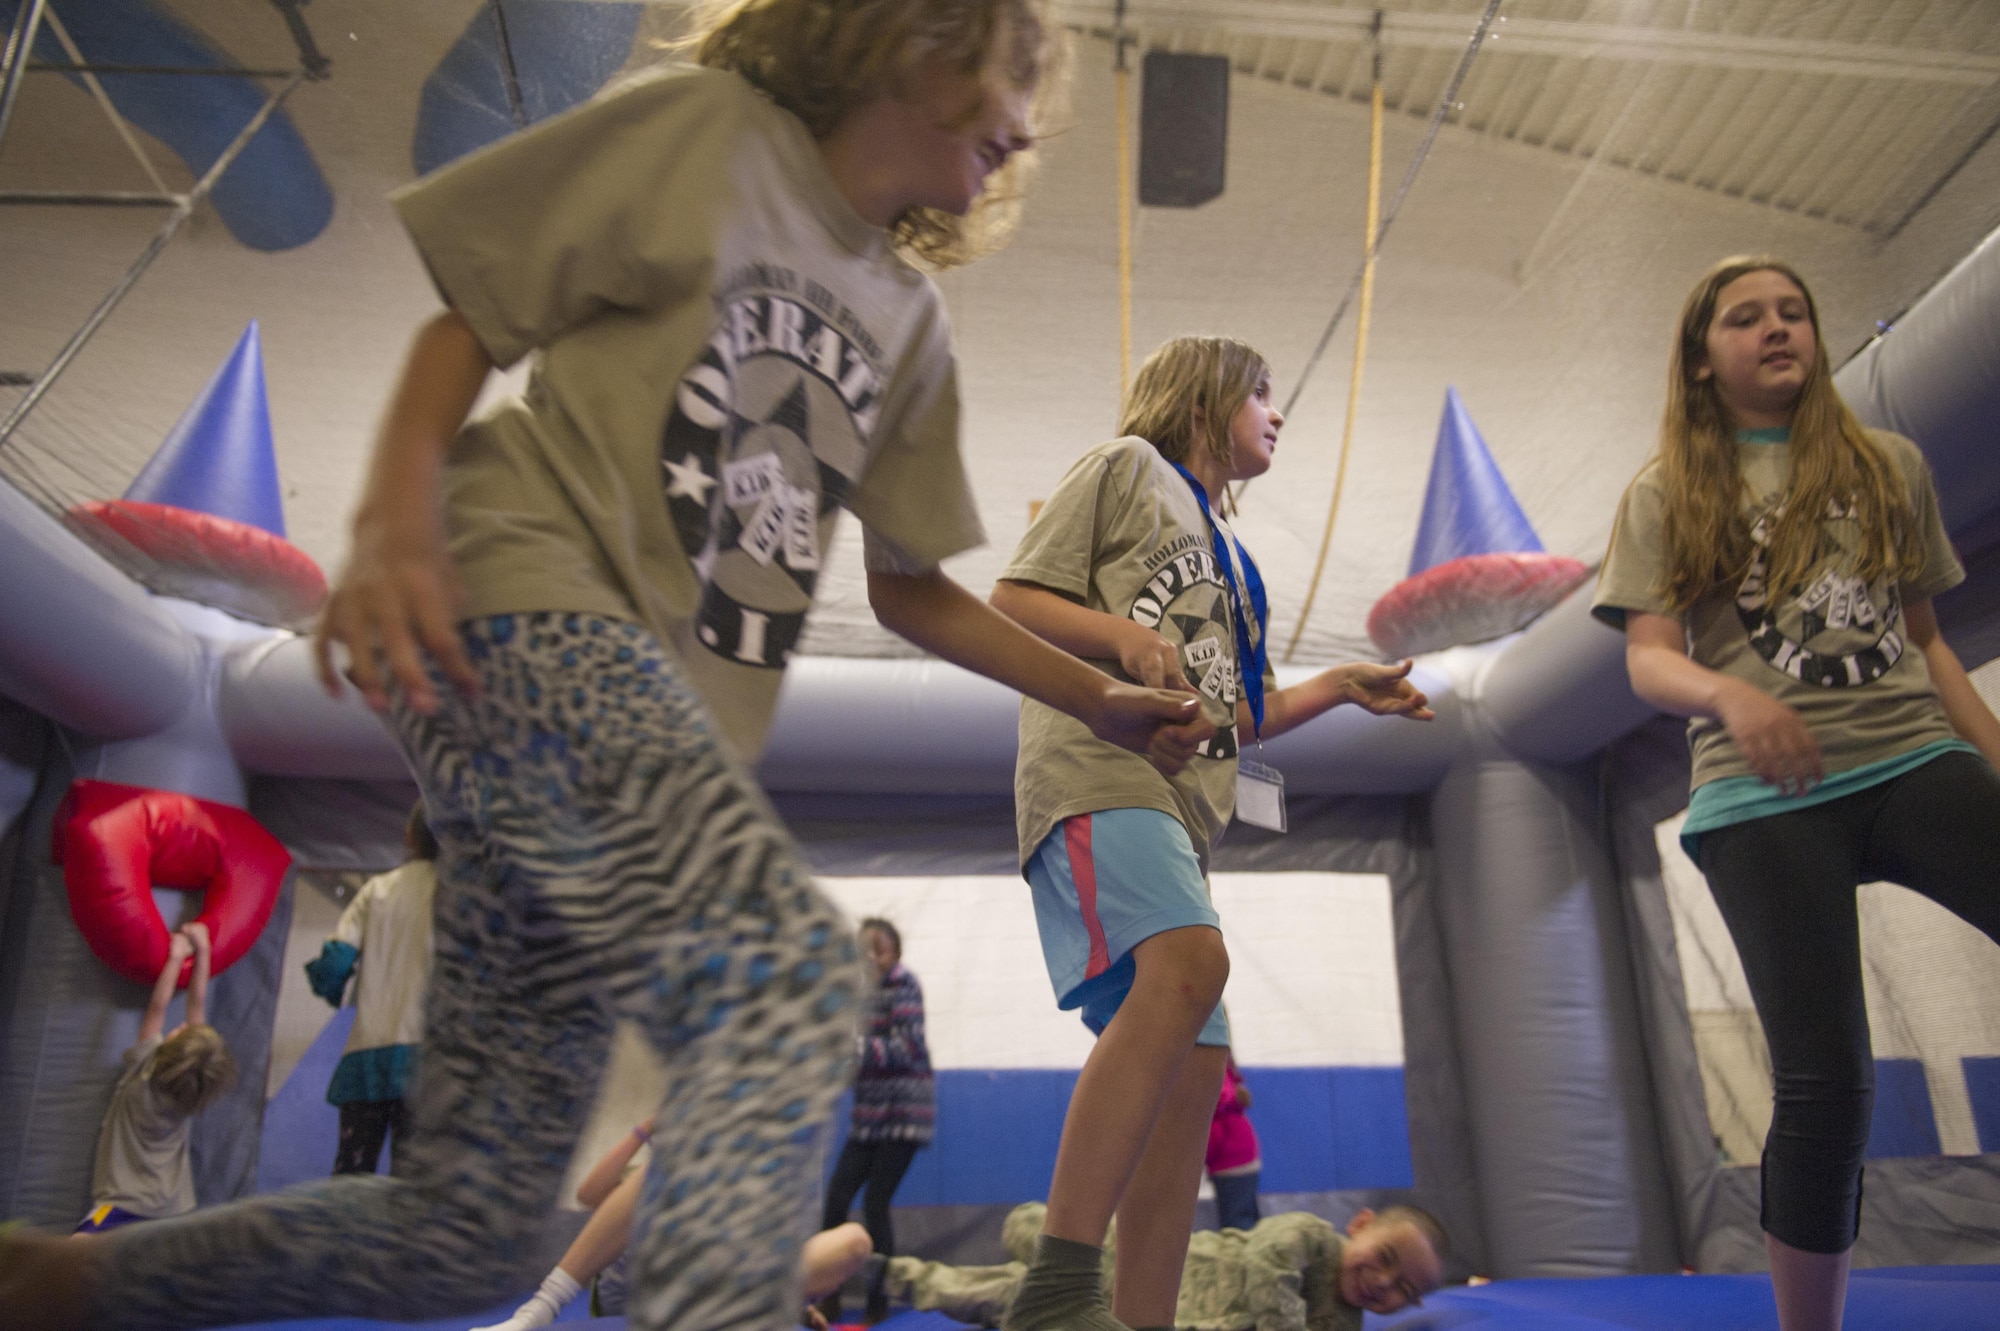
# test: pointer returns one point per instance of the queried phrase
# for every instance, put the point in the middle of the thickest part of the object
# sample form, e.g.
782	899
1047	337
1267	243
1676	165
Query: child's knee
1194	961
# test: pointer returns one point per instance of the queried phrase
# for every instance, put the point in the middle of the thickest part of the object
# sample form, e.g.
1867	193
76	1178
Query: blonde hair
1215	375
823	59
191	1068
1834	464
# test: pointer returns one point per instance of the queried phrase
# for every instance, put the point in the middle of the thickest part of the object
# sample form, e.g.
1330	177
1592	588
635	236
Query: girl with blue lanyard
1132	566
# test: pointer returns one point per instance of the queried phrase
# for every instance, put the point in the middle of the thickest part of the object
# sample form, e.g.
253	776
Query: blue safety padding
273	196
564	51
1949	1298
301	1130
1982	1085
1961	1298
1468	508
218	457
1321	1129
1903	1122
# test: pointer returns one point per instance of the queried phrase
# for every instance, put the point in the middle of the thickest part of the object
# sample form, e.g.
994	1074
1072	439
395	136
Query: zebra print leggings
604	857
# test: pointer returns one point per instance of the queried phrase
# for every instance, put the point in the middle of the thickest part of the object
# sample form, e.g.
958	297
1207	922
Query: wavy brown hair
192	1067
822	59
1217	375
1833	463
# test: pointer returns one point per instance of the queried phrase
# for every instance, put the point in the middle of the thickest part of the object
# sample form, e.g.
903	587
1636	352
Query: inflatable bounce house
166	753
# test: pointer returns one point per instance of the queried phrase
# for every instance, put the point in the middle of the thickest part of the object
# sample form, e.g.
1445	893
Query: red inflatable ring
116	843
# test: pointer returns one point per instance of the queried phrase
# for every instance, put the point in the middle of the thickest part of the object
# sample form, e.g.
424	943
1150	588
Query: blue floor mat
1936	1298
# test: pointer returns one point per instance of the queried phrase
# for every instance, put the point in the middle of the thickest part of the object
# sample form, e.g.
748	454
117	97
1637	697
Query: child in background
386	931
143	1170
578	610
595	1262
1773	569
1233	1162
895	1105
1131	565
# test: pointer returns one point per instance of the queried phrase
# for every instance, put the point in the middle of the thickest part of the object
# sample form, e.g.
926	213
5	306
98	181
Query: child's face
1760	346
1253	433
959	129
880	951
1387	1265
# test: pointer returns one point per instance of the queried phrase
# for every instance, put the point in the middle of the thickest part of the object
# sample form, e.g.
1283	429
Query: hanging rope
1444	106
1122	77
1373	234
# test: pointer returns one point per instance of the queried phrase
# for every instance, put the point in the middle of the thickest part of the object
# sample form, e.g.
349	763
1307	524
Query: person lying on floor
1292	1272
596	1259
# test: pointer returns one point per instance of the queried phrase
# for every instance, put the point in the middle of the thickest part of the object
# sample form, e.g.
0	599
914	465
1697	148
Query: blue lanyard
1250	659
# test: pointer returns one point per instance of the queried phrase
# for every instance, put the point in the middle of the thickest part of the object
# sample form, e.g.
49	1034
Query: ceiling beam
1554	37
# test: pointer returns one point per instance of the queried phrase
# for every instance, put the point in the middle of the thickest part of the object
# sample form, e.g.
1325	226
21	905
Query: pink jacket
1232	1142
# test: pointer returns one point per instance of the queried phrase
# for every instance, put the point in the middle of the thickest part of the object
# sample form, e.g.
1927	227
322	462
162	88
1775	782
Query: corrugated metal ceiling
1854	111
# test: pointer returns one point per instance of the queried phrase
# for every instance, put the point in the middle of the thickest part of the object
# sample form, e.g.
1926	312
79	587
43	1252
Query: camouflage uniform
1284	1275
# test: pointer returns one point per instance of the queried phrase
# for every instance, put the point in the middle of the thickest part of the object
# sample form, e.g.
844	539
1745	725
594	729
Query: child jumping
144	1171
1131	565
578	609
1773	569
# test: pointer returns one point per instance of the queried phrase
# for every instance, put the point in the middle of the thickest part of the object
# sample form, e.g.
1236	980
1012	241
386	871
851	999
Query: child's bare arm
942	617
1963	707
604	1176
179	948
1772	736
396	595
197	1004
1142	653
1385	690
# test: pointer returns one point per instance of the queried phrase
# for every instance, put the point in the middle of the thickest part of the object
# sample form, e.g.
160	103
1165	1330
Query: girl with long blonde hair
1132	565
1773	568
577	610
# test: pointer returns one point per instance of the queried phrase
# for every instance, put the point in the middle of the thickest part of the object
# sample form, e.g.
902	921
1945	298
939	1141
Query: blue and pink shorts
1104	883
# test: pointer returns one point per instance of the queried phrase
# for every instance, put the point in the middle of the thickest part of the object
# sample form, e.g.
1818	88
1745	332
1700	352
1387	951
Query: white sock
540	1310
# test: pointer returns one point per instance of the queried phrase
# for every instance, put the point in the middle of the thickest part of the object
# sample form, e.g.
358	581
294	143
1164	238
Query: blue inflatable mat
1937	1298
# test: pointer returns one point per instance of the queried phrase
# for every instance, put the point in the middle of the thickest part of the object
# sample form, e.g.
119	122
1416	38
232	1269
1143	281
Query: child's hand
179	947
1385	690
197	934
1165	727
1146	656
394	604
1774	738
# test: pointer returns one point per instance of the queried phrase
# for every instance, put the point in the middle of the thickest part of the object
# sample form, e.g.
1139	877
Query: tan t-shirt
142	1150
1122	534
1839	653
729	353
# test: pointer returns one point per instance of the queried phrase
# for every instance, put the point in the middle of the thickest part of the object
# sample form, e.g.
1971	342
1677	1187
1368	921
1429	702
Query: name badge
1260	795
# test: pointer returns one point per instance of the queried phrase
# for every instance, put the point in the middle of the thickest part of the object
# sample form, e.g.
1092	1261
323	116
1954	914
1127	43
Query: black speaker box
1183	129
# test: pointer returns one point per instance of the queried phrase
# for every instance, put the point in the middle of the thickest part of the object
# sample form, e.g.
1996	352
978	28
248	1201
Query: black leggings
881	1165
1786	886
363	1126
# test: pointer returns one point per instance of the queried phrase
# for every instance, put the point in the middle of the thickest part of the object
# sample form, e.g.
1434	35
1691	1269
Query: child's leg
1129	1076
750	990
1938	833
1157	1211
885	1175
1786	888
831	1256
363	1125
850	1171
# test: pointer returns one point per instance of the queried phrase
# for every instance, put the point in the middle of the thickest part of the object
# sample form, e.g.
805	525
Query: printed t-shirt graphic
766	439
1123	535
727	354
1836	650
